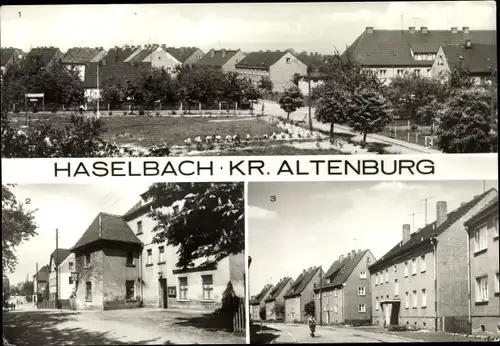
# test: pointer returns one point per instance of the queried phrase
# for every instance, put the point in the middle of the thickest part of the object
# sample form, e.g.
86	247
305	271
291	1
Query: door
328	317
163	293
387	313
395	314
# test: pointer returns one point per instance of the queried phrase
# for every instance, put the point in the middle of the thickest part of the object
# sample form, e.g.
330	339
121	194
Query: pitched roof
340	271
46	54
182	53
276	290
217	58
258	298
394	47
62	254
119	54
479	58
261	60
120	71
43	274
488	209
301	282
80	55
107	227
144	53
424	236
6	54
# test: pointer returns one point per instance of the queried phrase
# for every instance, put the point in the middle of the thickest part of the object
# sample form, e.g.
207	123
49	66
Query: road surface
395	145
299	333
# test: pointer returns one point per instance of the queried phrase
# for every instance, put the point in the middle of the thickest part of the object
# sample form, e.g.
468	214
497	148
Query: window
406	269
407	300
482	289
494	227
423	264
208	286
362	275
149	259
415	297
381	278
395	269
161	254
335	292
377	304
440	59
88	291
139	227
382	73
396	287
414	266
336	309
400	72
130	259
326	298
71	266
361	291
480	239
428	71
183	288
497	283
129	289
70	280
387	275
361	308
417	72
87	260
287	60
424	297
376	279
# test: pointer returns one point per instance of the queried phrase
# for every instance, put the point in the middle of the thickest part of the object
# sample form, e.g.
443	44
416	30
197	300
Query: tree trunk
364	138
332	124
287	116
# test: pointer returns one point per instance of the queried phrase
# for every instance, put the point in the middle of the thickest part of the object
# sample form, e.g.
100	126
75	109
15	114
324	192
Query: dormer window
288	60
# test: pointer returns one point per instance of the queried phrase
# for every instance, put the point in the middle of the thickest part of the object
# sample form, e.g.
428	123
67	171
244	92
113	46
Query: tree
368	112
295	79
262	313
460	78
279	309
28	288
18	226
331	107
291	100
265	85
209	225
309	308
464	125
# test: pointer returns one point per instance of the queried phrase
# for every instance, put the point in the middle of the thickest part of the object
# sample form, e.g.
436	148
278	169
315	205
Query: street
117	327
299	333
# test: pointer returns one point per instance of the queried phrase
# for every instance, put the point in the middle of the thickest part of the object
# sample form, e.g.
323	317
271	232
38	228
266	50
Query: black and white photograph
238	79
378	261
94	264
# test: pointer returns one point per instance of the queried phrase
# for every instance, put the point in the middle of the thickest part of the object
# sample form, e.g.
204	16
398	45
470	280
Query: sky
313	223
69	208
313	27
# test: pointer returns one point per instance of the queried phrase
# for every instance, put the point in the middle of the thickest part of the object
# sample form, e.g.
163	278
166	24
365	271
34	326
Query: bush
262	312
141	111
414	128
309	308
110	113
398	328
173	113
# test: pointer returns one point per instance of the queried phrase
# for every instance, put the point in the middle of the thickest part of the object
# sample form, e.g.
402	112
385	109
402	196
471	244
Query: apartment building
279	67
79	57
483	270
186	55
257	303
9	57
422	281
61	265
344	294
225	59
41	284
390	52
300	293
275	304
167	286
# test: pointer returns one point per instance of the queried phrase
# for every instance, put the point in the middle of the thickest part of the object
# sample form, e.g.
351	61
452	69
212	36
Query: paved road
113	327
299	333
395	145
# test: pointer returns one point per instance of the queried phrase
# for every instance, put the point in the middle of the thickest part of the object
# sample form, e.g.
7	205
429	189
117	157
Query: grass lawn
425	336
147	131
277	150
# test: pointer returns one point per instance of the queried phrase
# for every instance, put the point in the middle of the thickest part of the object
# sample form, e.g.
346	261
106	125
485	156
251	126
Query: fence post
416	138
408	135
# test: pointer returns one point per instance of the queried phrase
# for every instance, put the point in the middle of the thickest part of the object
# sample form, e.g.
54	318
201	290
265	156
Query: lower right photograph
374	261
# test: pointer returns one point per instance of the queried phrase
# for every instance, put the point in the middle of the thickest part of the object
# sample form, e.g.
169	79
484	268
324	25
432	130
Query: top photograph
253	79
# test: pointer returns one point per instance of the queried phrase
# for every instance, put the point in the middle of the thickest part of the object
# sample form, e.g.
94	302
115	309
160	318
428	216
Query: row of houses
444	276
115	265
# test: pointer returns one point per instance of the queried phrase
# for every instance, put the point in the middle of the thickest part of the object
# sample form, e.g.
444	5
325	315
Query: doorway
391	313
163	294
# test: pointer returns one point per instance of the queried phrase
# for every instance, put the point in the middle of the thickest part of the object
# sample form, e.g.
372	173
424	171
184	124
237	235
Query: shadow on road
262	335
210	321
41	328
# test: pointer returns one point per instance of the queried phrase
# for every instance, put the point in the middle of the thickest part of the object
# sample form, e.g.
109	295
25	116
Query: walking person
312	325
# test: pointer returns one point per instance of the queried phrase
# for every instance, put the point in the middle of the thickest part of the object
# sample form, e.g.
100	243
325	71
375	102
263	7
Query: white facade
66	284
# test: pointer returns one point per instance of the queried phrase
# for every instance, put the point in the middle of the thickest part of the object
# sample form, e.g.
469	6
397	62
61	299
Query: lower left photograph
97	264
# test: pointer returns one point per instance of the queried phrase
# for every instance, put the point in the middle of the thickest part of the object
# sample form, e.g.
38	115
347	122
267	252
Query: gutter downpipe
469	283
434	246
343	303
140	275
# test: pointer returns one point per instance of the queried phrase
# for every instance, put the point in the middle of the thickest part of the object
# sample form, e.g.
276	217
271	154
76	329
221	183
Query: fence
51	304
411	137
456	324
239	319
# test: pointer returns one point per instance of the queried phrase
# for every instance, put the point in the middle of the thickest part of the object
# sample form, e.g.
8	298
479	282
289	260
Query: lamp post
309	101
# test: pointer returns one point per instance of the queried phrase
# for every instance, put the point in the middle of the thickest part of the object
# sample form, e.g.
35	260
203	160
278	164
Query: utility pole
36	286
320	295
426	199
309	101
98	91
57	269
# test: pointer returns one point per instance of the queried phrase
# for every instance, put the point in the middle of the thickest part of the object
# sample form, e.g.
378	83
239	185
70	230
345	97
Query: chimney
406	233
465	29
423	29
441	212
349	255
223	52
260	51
341	258
212	53
369	29
468	44
475	196
353	253
454	29
411	29
100	226
359	250
462	204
